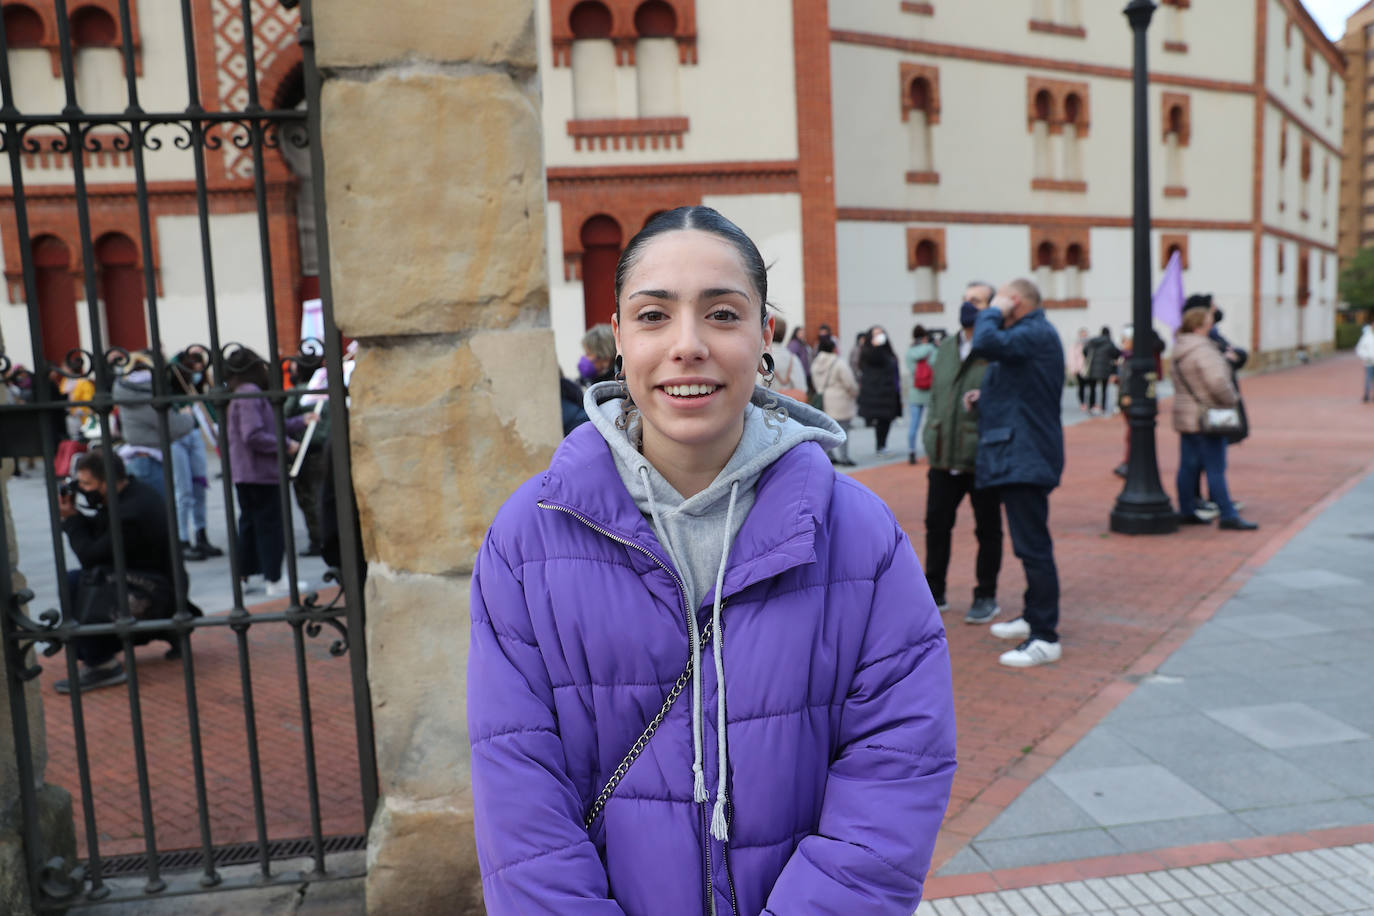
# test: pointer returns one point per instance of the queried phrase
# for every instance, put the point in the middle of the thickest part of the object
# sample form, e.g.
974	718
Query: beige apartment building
1357	173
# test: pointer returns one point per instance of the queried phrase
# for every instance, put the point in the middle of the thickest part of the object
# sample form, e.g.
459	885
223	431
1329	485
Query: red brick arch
911	75
623	31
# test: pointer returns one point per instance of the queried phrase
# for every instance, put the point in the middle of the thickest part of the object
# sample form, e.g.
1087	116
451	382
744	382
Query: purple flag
1168	299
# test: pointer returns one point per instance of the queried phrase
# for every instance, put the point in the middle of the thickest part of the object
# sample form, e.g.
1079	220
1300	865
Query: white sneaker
282	587
1011	629
253	584
1030	653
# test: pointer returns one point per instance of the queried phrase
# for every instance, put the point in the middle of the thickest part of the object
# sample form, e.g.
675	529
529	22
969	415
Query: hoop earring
767	370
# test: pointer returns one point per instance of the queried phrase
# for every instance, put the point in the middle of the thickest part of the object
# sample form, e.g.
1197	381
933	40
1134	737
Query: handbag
1215	421
97	595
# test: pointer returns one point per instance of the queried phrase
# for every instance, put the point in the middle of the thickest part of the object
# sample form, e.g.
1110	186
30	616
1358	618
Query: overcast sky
1331	14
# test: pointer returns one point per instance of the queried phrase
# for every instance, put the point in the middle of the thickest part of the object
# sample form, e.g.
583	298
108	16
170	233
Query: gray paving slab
1261	723
1278	726
1132	794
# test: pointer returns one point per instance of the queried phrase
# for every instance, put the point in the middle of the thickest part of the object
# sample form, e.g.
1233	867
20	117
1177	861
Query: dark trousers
1082	390
307	486
1028	518
97	651
1198	453
944	492
1093	384
262	532
880	428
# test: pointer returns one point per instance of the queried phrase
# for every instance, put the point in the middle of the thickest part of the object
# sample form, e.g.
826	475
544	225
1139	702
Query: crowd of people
132	475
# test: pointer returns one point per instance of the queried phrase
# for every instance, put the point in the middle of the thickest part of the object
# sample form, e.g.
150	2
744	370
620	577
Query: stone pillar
55	825
435	199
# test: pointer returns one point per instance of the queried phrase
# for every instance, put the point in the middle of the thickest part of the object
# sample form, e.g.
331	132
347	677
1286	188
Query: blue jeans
147	470
1028	519
1198	453
1368	382
188	468
917	411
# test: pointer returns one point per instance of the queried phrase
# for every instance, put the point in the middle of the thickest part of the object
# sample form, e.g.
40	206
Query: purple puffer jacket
840	713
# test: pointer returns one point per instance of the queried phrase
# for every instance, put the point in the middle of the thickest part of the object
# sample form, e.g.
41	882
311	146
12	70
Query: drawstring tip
719	829
698	786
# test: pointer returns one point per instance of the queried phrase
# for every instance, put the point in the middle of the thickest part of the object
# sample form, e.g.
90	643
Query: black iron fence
39	425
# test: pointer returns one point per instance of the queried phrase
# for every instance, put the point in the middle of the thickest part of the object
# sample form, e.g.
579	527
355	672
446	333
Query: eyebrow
671	296
656	294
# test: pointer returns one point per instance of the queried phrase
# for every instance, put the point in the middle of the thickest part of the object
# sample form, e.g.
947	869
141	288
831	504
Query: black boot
205	547
190	551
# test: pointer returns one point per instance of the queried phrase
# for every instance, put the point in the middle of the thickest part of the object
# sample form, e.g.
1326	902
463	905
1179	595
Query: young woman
839	392
880	397
916	398
706	674
253	465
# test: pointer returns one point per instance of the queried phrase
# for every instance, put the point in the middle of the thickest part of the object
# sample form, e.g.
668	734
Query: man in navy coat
1021	453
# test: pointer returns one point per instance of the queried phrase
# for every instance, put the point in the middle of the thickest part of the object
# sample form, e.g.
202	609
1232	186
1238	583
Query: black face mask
93	498
1216	316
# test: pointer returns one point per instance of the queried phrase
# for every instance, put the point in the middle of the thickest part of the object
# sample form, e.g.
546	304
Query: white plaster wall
740	97
773	221
1220	34
565	297
1323	114
162	87
238	281
982	149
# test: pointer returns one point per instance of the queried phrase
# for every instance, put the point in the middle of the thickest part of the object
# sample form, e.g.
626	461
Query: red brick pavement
162	692
1124	598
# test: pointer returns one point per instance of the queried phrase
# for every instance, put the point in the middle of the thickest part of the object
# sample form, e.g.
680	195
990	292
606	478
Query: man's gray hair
1027	291
992	290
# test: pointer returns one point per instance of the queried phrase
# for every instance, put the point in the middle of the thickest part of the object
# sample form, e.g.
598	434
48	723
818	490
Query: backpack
924	375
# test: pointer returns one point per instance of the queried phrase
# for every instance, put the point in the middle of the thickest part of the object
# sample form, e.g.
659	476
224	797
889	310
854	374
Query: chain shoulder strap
643	741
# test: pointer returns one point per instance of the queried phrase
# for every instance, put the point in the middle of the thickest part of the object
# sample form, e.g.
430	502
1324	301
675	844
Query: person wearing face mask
880	395
186	375
692	550
951	442
147	563
1021	453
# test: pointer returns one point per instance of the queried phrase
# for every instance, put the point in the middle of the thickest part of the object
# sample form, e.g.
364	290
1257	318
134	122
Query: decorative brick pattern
274	34
920	9
633	133
816	153
1055	28
1169	101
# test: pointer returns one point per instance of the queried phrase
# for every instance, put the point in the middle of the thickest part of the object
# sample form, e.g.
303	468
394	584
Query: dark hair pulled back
704	219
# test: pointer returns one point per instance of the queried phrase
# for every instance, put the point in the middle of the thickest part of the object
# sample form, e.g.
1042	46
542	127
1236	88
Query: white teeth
687	391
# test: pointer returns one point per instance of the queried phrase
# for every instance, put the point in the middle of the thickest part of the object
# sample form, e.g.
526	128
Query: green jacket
951	436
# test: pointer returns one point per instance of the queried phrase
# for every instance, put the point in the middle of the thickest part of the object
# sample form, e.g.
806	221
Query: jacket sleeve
847	380
535	855
994	342
255	425
1214	373
90	540
888	787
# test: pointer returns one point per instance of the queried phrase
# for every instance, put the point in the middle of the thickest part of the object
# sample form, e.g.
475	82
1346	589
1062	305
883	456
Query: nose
688	343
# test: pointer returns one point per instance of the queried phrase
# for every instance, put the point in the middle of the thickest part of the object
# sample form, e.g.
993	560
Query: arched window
1041	164
1074	263
922	158
925	259
656	60
1044	270
601	240
56	291
1173	149
23	27
593	61
1283	164
1304	286
926	288
1073	153
121	291
99	64
1304	177
1173	26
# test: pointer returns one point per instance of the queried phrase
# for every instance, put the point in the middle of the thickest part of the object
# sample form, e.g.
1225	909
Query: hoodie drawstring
698	775
720	829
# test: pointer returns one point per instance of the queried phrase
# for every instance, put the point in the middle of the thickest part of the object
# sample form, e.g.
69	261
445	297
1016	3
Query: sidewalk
1249	732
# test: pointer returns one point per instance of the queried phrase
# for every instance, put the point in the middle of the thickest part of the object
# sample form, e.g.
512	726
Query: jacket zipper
729	875
687	611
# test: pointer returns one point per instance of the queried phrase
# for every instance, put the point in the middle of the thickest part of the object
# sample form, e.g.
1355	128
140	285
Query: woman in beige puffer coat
1202	380
839	394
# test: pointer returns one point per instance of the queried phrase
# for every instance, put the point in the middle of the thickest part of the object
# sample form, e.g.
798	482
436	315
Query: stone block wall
435	197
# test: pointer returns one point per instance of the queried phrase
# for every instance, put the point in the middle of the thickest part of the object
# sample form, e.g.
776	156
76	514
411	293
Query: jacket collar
792	499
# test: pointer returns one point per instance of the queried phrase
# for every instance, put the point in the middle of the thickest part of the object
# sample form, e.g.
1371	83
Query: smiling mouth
689	391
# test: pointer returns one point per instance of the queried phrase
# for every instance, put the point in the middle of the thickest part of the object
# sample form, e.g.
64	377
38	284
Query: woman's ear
768	325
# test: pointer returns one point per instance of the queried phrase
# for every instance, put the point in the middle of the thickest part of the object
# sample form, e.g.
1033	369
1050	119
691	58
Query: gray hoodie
139	422
697	531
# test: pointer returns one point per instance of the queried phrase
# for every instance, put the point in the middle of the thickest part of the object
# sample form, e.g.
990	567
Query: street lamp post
1143	507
